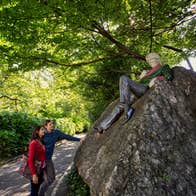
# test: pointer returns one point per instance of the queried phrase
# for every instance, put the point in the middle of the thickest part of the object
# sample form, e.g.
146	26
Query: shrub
76	185
15	132
8	143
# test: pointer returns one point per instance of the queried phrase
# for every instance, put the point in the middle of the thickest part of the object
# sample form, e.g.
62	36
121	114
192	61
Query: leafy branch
121	47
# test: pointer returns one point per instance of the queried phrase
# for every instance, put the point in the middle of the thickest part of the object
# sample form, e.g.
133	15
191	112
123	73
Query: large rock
154	153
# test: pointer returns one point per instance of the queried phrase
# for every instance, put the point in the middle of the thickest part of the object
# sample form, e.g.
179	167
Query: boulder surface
154	153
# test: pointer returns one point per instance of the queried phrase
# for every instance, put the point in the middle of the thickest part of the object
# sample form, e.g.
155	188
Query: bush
76	185
8	143
15	132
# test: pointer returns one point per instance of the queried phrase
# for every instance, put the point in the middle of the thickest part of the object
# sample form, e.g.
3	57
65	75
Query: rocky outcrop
153	154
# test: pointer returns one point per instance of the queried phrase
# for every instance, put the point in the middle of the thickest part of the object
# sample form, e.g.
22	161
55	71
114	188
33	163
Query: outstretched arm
62	135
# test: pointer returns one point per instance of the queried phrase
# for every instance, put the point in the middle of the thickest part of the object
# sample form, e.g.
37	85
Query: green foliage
35	34
15	132
63	59
8	143
76	184
73	125
166	178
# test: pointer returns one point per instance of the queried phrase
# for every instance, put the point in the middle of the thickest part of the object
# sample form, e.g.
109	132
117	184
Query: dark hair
47	121
35	134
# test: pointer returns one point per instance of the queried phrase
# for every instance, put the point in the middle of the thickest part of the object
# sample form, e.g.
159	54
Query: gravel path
12	184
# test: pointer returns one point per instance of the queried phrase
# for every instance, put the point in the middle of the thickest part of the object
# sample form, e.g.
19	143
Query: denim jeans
127	87
129	90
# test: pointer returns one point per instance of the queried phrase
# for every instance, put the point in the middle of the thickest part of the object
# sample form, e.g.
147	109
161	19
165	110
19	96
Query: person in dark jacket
37	154
129	89
51	136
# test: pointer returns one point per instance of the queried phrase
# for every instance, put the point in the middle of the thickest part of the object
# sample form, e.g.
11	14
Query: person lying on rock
129	88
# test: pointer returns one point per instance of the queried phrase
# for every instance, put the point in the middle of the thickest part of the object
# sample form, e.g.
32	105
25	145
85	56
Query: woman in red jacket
36	156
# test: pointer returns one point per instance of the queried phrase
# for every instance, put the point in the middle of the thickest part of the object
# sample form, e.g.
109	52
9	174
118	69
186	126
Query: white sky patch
184	63
15	65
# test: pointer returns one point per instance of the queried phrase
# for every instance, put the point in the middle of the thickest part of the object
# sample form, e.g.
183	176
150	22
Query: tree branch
173	48
180	50
172	26
81	63
10	98
45	60
122	47
113	70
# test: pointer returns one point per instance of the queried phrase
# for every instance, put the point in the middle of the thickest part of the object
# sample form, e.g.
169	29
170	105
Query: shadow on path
12	184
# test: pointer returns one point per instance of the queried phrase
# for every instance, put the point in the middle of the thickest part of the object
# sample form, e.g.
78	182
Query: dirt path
12	184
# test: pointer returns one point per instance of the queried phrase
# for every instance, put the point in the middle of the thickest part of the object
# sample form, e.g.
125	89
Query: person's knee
124	79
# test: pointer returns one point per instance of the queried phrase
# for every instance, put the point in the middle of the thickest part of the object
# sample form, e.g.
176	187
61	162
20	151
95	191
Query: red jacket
36	152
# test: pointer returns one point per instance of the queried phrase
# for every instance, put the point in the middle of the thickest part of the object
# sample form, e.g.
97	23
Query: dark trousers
35	187
48	179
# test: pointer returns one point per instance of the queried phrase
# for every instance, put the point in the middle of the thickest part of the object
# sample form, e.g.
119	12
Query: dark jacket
51	138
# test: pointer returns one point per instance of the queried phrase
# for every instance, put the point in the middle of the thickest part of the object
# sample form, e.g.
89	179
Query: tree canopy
76	50
39	33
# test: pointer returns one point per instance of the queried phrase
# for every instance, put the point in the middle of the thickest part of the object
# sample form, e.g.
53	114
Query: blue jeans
128	90
128	87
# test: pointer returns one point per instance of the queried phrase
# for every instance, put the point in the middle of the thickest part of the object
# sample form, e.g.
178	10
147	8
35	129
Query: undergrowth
76	185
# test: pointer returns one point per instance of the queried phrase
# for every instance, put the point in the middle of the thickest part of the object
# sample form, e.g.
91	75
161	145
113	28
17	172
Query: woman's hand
35	179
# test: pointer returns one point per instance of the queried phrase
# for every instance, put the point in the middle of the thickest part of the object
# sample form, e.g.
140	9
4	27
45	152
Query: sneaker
129	113
98	130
